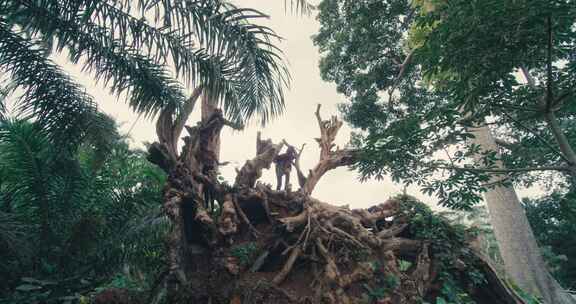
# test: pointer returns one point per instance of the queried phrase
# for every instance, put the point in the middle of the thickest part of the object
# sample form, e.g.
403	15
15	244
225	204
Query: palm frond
58	103
254	85
25	155
102	140
6	88
123	69
299	6
210	43
86	221
257	87
132	225
14	235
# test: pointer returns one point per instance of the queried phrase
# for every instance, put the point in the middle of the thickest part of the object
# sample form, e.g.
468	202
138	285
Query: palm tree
86	221
142	48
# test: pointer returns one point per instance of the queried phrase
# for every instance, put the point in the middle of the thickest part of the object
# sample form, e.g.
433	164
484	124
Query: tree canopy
419	74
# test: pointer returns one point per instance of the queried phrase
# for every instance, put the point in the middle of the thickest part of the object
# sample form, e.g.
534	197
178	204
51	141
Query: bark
171	123
191	175
208	108
522	258
251	171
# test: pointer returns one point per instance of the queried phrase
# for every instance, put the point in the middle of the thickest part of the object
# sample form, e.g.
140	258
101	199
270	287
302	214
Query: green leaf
28	287
440	300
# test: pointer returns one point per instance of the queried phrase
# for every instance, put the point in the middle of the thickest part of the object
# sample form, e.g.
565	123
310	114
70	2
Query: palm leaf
299	6
58	103
211	43
25	153
14	235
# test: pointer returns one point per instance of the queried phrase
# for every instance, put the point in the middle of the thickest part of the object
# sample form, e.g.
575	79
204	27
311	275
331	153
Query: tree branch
328	159
561	139
566	150
538	137
407	61
504	143
560	100
266	151
529	79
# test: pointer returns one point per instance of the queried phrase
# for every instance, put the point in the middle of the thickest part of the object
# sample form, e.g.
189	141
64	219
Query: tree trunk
522	258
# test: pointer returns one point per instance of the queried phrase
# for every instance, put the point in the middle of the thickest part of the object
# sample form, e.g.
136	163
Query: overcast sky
297	125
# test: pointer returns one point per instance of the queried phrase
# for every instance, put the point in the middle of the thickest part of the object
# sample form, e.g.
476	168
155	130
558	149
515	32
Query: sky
297	125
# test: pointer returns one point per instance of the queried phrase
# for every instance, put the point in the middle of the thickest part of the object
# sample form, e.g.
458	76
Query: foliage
301	6
88	216
452	293
384	282
245	253
478	224
449	241
553	220
419	74
449	246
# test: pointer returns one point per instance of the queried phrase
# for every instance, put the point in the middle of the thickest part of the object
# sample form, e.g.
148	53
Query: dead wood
228	217
329	158
266	151
287	246
280	276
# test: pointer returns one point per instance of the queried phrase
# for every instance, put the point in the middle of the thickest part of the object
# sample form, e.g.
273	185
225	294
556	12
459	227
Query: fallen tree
247	243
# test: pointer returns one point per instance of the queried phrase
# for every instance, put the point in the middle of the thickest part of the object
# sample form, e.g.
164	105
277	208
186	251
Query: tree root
280	276
255	233
326	253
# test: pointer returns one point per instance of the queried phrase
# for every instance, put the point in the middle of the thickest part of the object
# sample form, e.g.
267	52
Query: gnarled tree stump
257	245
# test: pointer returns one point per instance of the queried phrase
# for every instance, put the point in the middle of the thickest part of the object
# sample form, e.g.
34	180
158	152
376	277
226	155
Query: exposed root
245	219
228	218
280	276
294	243
291	223
392	231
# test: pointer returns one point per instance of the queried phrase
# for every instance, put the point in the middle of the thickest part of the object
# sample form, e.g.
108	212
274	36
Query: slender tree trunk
522	259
